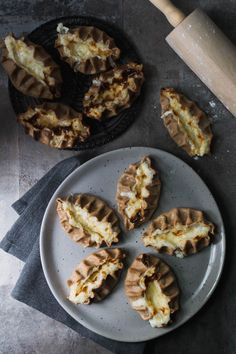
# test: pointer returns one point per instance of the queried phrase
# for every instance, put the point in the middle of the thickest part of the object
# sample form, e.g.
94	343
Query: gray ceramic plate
197	274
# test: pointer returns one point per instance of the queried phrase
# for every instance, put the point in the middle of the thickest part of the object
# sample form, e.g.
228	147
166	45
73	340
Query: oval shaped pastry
95	276
88	220
138	192
54	124
186	123
113	91
30	68
152	290
180	232
86	49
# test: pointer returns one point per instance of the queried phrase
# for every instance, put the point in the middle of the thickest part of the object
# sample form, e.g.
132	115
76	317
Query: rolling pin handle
173	15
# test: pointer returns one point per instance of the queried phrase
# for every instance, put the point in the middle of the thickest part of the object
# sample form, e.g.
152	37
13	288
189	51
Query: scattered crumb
212	104
62	29
96	82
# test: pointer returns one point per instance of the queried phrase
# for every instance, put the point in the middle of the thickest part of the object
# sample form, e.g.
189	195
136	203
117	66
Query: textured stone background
23	162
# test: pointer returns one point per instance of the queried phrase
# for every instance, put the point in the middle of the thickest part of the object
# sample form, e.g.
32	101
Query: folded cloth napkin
22	241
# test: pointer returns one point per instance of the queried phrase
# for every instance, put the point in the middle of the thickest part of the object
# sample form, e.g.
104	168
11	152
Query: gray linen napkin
22	241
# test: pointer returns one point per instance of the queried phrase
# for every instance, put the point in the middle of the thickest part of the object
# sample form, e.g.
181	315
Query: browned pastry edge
126	71
96	259
96	207
126	182
171	123
27	83
163	274
95	64
183	216
68	137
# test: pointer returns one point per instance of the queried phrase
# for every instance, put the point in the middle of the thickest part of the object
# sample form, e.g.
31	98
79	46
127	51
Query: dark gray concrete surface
24	161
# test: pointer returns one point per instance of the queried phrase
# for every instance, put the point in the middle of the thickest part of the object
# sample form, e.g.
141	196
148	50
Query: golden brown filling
198	141
81	50
41	118
112	93
82	291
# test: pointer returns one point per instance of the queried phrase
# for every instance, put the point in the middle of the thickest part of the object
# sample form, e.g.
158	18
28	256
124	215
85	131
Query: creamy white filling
81	218
81	50
23	56
143	178
127	194
176	238
82	291
157	304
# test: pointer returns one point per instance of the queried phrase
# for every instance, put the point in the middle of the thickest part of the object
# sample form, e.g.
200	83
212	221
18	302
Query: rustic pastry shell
128	74
163	274
27	83
96	207
194	112
59	136
95	64
183	216
96	259
125	184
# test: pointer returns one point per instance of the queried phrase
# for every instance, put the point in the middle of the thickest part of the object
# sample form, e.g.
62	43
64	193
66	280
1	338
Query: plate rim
43	258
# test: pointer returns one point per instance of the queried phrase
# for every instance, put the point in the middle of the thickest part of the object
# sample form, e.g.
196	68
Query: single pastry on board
86	49
30	68
95	276
180	232
152	290
54	124
88	220
186	123
113	91
138	192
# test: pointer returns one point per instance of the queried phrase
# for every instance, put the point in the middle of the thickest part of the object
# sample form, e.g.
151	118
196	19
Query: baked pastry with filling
180	232
152	290
88	220
95	276
30	68
86	49
186	123
113	91
54	124
138	192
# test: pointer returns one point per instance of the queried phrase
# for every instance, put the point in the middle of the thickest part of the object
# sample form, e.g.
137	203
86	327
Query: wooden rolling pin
205	49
